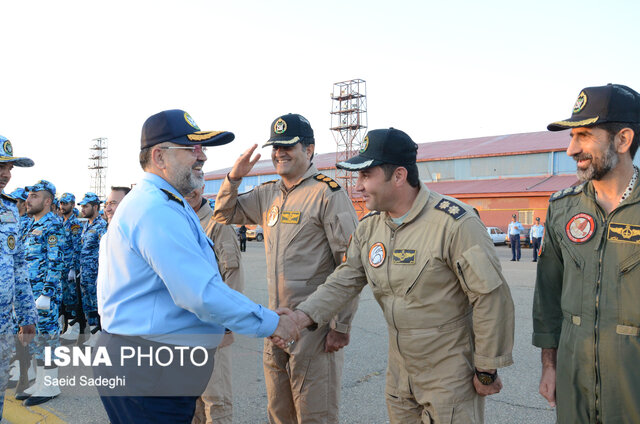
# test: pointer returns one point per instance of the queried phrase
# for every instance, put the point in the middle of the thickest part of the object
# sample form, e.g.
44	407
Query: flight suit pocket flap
479	273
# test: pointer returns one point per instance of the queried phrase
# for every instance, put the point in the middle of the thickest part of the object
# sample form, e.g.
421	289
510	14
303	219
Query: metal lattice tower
348	124
98	166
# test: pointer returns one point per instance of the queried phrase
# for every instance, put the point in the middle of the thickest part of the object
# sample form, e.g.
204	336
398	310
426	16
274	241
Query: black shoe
513	260
22	396
518	260
37	400
535	260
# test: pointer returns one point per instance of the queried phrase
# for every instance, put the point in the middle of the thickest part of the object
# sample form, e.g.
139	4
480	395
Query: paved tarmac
364	369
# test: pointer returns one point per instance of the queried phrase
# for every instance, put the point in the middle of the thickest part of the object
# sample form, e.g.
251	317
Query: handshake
289	326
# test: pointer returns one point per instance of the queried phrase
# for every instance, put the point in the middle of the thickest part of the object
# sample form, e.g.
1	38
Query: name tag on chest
290	217
7	217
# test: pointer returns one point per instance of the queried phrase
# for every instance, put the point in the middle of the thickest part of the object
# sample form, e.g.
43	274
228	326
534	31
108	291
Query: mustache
583	156
199	163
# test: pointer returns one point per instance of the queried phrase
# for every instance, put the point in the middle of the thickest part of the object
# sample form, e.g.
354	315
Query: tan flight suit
439	284
306	231
216	403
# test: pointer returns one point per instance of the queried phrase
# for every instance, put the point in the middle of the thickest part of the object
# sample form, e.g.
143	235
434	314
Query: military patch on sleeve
52	240
567	192
404	257
11	242
290	217
624	232
173	196
75	228
334	186
451	208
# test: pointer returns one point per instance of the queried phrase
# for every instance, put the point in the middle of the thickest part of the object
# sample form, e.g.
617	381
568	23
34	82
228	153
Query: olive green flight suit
306	231
587	305
448	308
216	403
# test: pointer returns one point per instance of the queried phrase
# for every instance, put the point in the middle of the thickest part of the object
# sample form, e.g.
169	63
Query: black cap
383	146
287	130
597	105
177	126
538	218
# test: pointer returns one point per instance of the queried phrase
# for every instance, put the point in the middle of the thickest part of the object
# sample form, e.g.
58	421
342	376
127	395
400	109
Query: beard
35	209
185	181
599	166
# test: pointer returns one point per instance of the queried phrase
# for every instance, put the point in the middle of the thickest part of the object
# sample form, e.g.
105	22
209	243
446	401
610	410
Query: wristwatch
486	378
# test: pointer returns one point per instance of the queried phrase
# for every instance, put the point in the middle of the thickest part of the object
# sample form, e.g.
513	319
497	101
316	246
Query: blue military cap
6	154
56	202
19	193
67	198
90	197
177	126
43	185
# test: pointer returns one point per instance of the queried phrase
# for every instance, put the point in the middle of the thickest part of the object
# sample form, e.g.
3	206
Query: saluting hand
244	164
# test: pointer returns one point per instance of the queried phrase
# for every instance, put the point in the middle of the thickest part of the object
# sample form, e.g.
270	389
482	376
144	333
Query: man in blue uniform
15	290
90	244
43	253
73	232
158	278
514	230
535	235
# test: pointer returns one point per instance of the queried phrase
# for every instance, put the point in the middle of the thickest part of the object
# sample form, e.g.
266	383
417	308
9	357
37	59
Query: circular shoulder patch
377	254
273	216
52	240
581	228
11	242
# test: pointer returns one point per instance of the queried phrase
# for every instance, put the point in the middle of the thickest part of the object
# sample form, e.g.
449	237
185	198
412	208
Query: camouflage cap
90	197
42	185
19	193
67	198
6	154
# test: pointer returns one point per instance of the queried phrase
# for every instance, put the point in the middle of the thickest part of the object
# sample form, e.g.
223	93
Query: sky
72	71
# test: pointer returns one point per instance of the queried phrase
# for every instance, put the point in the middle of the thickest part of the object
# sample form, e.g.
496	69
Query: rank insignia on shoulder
451	208
270	182
334	186
567	192
172	196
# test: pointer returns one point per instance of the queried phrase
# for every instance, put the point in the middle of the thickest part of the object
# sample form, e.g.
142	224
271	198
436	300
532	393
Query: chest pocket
572	286
629	290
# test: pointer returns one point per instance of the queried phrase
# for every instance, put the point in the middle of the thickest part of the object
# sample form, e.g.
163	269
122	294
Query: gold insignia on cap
203	135
364	145
8	148
190	121
581	102
11	242
280	126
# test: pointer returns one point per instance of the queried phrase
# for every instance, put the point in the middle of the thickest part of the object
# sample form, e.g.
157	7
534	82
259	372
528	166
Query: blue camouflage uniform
73	233
24	220
44	256
90	246
15	290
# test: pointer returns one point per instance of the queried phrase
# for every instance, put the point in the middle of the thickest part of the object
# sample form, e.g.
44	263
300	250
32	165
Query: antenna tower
349	125
98	166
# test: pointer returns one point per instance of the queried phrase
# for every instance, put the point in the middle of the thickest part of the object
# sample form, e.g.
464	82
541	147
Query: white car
497	235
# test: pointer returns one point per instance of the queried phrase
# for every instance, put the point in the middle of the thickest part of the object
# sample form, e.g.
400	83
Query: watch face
485	378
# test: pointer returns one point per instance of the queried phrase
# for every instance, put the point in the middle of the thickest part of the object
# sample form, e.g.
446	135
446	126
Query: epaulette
569	191
370	214
334	186
173	196
451	208
9	198
270	182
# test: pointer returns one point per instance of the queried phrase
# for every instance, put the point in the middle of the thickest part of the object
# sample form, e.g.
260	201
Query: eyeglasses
194	150
111	203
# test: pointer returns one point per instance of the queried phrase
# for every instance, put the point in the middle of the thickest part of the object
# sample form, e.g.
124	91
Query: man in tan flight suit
307	220
435	274
216	403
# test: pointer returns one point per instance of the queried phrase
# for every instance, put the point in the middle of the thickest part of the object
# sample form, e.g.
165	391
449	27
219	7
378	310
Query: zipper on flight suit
393	303
277	246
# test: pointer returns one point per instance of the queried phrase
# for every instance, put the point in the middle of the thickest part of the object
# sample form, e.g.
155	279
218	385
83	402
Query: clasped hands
289	326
